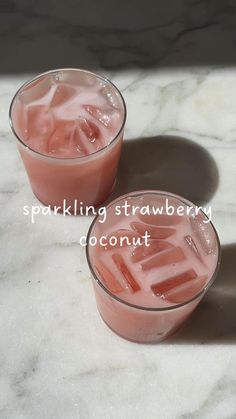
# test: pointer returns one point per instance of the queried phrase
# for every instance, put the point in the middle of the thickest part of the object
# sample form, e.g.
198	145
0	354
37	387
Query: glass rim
144	308
37	77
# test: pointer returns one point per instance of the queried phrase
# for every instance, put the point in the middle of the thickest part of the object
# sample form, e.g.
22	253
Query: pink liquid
69	119
175	268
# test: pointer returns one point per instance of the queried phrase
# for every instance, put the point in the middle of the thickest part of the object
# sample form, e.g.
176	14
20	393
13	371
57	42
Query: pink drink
69	124
151	271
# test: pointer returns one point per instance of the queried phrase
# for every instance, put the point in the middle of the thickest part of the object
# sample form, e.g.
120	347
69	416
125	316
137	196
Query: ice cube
167	257
36	90
62	94
76	78
108	278
62	142
110	96
72	138
98	114
124	238
204	233
124	270
187	291
192	245
163	287
180	288
39	126
59	76
86	80
87	136
160	219
143	251
154	232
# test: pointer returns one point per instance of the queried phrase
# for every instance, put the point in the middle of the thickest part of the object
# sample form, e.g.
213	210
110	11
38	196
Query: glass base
147	342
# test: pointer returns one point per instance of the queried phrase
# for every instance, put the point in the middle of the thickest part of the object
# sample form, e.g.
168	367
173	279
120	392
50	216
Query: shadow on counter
168	163
213	322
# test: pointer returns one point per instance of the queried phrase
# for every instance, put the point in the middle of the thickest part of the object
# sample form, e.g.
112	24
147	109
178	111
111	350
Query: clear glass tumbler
69	126
151	270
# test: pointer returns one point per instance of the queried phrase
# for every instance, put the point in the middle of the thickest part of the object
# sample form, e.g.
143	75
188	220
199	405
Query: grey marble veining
175	65
116	34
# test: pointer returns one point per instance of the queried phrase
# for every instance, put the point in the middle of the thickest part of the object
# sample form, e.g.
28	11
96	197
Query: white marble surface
57	359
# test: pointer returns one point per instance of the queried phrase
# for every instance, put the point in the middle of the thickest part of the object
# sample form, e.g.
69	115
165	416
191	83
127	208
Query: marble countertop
57	358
